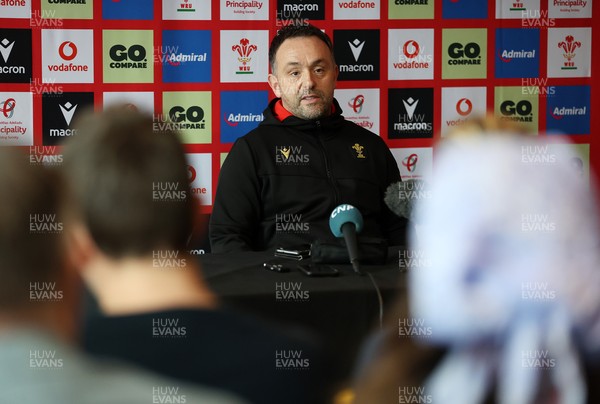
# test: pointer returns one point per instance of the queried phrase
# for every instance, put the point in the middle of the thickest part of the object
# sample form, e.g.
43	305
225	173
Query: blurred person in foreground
38	297
303	160
132	214
508	294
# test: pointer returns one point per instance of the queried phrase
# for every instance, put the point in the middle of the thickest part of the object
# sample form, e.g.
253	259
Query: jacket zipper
336	195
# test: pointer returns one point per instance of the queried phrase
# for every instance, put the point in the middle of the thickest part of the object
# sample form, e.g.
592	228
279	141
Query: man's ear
80	246
274	83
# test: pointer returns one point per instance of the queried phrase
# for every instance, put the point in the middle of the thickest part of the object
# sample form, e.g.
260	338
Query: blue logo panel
128	10
186	56
517	52
463	9
241	111
568	110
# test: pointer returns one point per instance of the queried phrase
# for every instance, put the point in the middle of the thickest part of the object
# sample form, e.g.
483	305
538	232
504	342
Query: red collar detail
280	112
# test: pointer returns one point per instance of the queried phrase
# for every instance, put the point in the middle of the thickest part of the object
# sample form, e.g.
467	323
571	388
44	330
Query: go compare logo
128	56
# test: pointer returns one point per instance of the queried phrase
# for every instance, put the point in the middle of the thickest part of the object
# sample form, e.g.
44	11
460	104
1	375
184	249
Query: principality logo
244	49
359	151
8	107
410	162
357	103
569	45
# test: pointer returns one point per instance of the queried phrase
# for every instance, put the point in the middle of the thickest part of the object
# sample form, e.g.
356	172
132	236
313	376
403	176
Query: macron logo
356	47
410	106
68	110
5	49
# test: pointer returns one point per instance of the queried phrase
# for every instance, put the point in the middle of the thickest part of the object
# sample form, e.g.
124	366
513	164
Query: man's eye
294	73
319	70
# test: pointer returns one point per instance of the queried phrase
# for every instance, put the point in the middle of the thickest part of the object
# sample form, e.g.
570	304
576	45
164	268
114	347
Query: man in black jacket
281	181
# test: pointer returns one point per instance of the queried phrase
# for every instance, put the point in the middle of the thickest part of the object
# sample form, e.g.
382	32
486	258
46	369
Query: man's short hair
31	239
295	31
129	183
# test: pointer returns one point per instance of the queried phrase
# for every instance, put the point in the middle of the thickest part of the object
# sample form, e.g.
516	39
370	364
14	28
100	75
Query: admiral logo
244	49
569	112
234	120
133	57
175	59
469	54
291	155
508	55
241	111
569	46
559	113
357	54
185	56
521	111
68	51
463	9
411	57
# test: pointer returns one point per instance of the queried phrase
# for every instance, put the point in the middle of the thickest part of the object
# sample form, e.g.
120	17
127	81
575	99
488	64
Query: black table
340	310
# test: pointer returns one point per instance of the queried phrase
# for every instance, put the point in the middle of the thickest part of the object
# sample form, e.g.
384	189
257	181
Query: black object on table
340	310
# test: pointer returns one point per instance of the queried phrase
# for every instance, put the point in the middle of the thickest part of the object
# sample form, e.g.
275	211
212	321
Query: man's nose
308	80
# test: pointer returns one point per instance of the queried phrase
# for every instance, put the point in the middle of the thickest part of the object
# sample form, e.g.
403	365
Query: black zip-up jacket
280	182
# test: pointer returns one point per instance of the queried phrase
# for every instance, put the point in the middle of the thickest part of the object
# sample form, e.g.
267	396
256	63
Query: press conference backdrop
410	70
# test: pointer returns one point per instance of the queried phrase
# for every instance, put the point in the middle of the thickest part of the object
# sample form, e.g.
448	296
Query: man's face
304	77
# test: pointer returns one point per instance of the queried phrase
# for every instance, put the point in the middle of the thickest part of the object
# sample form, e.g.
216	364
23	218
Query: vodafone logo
464	106
67	50
411	49
191	173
